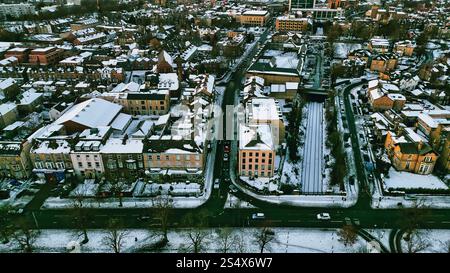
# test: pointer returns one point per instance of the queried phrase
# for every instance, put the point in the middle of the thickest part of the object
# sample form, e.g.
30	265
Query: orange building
256	151
287	23
46	56
416	157
20	53
254	17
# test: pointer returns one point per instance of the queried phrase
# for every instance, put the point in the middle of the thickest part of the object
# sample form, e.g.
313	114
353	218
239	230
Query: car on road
356	221
323	216
143	218
225	157
233	189
226	147
259	215
216	183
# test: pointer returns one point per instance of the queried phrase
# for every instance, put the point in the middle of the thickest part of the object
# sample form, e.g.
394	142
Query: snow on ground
287	240
382	235
411	180
313	151
392	202
341	50
260	183
234	202
436	238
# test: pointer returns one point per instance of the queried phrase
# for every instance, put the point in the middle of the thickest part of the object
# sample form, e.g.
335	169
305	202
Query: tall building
16	10
301	4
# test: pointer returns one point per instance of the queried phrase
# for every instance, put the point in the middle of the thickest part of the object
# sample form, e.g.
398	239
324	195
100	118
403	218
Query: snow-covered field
434	240
410	180
286	240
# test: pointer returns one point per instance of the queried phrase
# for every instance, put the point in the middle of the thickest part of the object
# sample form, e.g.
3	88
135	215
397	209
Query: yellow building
146	103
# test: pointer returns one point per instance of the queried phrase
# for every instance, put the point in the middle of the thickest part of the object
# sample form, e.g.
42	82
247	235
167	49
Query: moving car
323	216
258	215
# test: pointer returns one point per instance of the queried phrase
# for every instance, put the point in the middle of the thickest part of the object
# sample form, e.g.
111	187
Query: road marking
445	222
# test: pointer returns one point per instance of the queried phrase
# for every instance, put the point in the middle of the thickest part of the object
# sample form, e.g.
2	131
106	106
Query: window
161	102
243	154
256	160
262	173
256	167
197	157
143	107
150	157
80	165
130	156
250	167
270	155
178	157
256	154
158	157
250	160
187	157
270	161
250	154
120	164
243	167
263	154
263	167
162	108
263	160
167	157
142	102
97	164
89	165
243	160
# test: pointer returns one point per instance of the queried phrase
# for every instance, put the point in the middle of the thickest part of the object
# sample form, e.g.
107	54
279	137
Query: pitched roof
413	148
91	113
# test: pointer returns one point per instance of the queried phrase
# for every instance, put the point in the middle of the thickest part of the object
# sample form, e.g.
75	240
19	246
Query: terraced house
174	157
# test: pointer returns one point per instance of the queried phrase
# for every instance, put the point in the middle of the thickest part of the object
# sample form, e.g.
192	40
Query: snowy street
313	151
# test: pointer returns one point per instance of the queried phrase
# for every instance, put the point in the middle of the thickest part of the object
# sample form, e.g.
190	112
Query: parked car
216	183
323	216
233	189
258	215
356	221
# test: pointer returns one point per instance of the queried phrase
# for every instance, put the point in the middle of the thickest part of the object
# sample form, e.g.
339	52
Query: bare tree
263	237
196	234
414	217
163	205
114	238
446	246
25	237
117	189
240	246
227	240
80	215
6	227
348	235
417	242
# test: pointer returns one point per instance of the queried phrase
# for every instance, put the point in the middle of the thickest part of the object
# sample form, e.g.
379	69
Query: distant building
291	23
16	10
46	56
254	18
